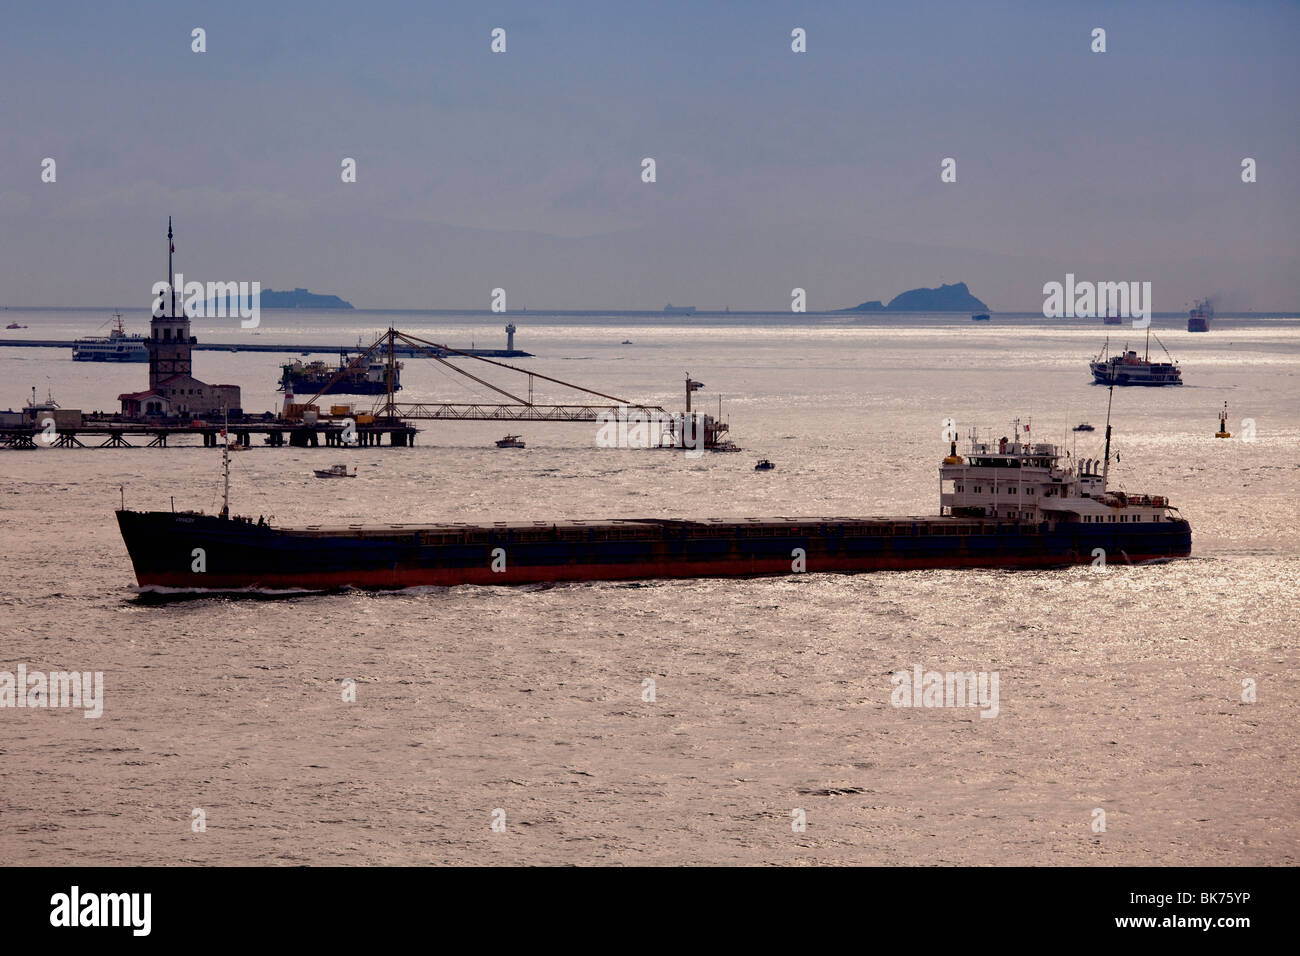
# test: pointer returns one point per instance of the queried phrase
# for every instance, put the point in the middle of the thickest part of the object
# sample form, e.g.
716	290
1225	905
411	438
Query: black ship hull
204	552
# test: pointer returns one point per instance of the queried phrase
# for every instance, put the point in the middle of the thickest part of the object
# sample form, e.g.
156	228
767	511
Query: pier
403	351
276	434
149	421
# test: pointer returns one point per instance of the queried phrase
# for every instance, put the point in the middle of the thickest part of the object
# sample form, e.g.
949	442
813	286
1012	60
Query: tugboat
34	411
117	347
1128	369
510	441
335	471
1198	320
764	465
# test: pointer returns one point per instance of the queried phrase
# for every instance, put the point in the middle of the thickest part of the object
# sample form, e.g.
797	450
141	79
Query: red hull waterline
450	577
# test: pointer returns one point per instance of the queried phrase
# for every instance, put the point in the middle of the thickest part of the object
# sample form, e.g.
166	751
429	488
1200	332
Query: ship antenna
225	466
1105	469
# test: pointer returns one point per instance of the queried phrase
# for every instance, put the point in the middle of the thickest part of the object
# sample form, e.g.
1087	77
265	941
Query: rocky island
946	298
301	299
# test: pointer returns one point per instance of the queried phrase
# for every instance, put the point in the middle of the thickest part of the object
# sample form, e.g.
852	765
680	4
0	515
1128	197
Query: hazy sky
522	170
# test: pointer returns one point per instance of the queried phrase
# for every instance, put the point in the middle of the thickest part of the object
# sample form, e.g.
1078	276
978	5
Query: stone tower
170	342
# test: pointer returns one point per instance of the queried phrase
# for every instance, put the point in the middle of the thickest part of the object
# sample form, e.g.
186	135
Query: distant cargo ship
1128	369
671	309
117	346
1198	320
1009	504
352	376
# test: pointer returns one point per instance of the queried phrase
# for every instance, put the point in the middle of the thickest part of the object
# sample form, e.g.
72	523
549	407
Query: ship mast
225	467
1105	468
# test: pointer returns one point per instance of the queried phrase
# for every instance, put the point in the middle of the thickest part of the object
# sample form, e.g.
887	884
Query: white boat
1128	368
117	346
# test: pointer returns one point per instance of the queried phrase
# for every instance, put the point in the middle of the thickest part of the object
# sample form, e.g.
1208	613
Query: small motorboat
335	471
15	325
626	342
980	317
1084	427
510	441
764	465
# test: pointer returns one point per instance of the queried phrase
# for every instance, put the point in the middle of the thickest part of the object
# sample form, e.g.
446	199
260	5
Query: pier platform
115	434
403	351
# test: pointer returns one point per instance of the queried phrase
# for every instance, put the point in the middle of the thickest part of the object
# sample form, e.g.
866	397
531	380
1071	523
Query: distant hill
301	299
946	298
297	299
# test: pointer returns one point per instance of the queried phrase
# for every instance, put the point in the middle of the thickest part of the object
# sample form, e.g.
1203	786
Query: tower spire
171	276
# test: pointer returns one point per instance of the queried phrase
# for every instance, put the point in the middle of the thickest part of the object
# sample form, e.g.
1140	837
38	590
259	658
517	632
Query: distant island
297	299
946	298
301	299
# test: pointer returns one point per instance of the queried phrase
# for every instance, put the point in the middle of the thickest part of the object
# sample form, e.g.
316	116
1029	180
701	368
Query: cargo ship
117	346
352	376
1007	504
1128	369
1198	320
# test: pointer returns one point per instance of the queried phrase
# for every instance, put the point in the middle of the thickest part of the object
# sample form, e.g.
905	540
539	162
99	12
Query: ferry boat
1010	503
1198	320
1128	369
352	376
117	346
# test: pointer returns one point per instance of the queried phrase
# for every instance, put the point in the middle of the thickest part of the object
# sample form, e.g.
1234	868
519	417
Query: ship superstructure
1021	480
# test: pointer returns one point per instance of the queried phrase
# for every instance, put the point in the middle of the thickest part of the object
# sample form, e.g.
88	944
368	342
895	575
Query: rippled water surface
1120	690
